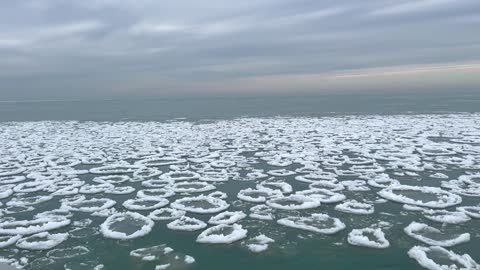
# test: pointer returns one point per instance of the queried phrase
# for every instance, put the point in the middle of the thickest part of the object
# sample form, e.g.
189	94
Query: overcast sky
62	49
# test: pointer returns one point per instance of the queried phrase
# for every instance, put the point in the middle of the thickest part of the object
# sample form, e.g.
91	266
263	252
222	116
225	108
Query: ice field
394	191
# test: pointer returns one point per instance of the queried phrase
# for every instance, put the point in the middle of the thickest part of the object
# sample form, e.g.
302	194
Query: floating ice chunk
16	209
145	203
13	179
166	214
359	161
67	253
66	191
262	212
319	223
155	193
256	175
368	237
24	227
222	234
293	202
145	173
34	186
26	201
438	258
257	195
445	216
433	236
319	176
281	172
355	207
120	190
327	185
180	176
214	176
201	204
322	195
127	225
89	205
56	213
472	211
111	179
279	162
6	191
152	253
355	185
222	163
380	180
185	223
218	194
192	187
105	212
92	189
93	160
420	195
164	254
439	175
162	266
276	185
473	179
374	168
434	150
115	169
160	161
11	171
189	259
410	207
7	240
462	188
346	173
41	241
157	183
179	167
259	243
227	217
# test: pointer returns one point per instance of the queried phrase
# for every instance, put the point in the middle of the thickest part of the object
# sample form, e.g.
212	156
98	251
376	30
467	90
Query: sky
92	49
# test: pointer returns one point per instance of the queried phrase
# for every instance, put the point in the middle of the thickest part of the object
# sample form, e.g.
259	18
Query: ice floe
166	256
435	237
444	216
67	253
319	223
201	204
293	202
127	225
259	243
432	197
438	258
222	234
89	205
368	237
41	241
227	217
166	214
185	223
355	207
25	227
257	195
145	203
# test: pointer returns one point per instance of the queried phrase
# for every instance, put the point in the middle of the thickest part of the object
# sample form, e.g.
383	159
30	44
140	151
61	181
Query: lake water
352	147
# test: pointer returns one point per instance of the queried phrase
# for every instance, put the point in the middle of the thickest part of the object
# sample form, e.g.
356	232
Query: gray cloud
104	48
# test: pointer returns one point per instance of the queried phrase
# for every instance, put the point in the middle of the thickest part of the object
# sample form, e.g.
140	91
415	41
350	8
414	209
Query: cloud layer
106	48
